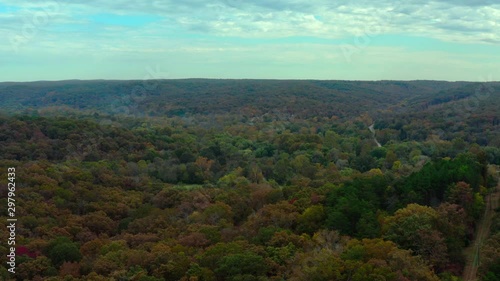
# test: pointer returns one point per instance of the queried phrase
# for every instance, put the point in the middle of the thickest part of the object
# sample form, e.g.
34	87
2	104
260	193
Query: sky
453	40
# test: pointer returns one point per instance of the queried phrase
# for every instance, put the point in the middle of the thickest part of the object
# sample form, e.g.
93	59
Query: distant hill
301	98
415	109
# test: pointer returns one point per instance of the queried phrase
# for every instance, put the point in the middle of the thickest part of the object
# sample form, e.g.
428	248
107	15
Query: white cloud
198	36
475	21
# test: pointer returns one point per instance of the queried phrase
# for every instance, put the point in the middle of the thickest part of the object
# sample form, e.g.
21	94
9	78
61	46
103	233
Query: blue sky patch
8	9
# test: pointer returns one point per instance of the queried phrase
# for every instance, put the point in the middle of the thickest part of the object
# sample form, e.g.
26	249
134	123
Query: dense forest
244	180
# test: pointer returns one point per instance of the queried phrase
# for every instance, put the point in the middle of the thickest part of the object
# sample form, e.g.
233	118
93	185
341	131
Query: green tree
311	219
242	265
415	228
61	250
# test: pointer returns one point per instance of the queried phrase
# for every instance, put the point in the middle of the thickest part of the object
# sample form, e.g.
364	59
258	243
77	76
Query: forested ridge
249	179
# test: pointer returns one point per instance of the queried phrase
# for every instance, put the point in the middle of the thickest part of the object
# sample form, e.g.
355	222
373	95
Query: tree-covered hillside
248	179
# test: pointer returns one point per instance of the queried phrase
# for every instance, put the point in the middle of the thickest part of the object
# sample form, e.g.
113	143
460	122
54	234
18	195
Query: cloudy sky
295	39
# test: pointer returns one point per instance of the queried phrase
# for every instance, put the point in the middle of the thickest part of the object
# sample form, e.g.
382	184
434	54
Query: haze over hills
276	100
203	96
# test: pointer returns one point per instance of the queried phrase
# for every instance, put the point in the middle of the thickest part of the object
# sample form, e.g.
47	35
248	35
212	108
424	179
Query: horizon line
248	79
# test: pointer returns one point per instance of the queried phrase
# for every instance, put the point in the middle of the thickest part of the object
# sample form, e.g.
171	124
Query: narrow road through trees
472	253
372	129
